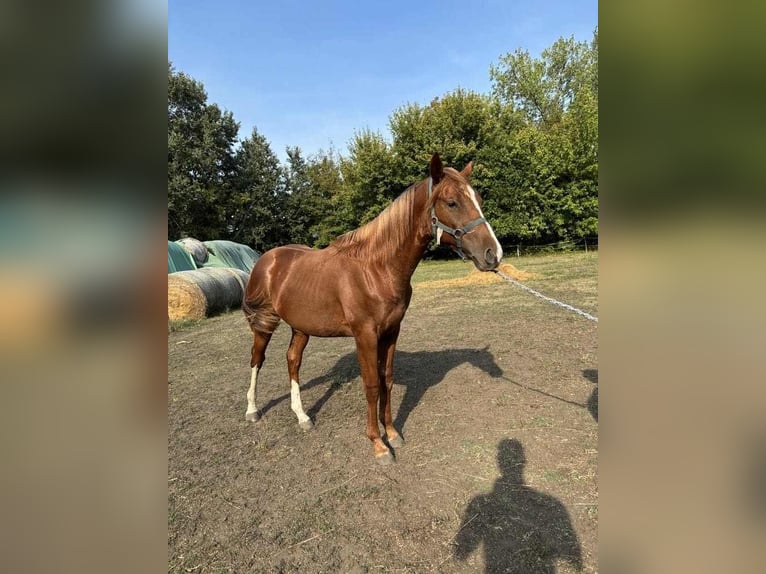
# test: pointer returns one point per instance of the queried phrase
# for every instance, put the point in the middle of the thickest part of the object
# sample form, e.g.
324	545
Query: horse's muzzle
491	258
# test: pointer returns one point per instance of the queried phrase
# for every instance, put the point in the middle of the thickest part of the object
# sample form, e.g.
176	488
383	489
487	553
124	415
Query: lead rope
546	298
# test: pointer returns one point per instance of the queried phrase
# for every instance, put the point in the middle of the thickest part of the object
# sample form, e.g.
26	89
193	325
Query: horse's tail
256	305
260	314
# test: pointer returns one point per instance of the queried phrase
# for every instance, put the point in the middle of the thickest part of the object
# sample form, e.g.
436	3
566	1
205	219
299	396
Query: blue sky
311	73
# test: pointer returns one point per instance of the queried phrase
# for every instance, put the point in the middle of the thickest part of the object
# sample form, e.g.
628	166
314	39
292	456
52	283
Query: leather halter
456	233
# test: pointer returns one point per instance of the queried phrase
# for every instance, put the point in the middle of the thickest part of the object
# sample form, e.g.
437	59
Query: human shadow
522	530
592	376
416	372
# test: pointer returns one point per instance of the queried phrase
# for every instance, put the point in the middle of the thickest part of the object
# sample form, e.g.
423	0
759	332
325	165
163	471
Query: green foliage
200	159
257	199
542	180
543	88
301	202
369	177
533	140
214	190
315	208
452	125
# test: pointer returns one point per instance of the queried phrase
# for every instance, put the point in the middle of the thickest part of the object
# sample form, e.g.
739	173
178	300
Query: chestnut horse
359	286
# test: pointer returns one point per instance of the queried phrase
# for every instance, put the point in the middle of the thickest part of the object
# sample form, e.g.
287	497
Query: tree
316	204
544	88
453	125
551	157
330	209
368	178
256	200
298	187
200	159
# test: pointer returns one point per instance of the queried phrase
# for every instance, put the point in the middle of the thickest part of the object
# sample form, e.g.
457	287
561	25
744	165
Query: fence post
586	245
517	251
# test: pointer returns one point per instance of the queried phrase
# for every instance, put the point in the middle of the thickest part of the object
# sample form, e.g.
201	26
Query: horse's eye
451	204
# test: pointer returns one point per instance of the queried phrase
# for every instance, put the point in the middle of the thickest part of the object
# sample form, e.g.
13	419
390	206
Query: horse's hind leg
294	357
260	342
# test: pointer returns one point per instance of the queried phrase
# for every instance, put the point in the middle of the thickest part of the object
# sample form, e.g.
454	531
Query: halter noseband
456	233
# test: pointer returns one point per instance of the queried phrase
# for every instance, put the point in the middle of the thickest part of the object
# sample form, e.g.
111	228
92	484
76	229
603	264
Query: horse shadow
415	371
522	530
592	376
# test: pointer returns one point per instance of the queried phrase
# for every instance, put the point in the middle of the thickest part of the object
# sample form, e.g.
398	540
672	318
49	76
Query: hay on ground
196	249
476	277
202	292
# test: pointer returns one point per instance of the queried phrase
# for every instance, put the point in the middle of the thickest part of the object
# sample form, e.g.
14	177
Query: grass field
495	395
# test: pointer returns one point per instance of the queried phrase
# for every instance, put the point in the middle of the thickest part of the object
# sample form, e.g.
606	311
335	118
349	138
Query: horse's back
273	262
293	247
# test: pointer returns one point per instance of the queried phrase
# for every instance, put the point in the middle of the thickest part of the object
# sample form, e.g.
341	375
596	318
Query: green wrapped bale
230	254
179	259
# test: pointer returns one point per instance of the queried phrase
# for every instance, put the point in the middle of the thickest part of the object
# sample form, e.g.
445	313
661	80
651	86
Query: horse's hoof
384	459
253	417
396	442
306	425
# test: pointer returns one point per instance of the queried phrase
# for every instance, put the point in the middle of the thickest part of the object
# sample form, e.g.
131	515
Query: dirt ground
495	396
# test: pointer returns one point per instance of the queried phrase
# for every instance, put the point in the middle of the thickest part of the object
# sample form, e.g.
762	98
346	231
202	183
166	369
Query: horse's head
457	218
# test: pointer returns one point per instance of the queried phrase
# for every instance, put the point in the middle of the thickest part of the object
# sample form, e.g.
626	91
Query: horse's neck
396	241
405	257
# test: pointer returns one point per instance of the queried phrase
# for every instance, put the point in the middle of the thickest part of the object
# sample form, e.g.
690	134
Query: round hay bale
241	276
196	294
196	249
185	299
223	287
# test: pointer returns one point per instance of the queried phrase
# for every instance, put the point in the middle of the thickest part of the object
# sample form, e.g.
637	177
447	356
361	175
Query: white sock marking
295	402
499	250
251	391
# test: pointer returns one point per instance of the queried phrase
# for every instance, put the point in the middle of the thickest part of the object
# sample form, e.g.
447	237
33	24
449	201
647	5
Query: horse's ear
437	169
467	170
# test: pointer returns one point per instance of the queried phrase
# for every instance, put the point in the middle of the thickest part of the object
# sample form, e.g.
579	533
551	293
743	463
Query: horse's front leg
367	352
386	350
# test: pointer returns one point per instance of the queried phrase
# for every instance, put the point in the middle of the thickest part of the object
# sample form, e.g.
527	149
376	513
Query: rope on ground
546	298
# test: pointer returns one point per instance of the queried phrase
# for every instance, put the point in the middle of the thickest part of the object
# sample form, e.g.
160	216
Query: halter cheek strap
456	233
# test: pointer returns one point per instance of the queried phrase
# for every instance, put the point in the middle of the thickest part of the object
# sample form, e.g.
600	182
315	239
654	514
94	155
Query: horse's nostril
490	257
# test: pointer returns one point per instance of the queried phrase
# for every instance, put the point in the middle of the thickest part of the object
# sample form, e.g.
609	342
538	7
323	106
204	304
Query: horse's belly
307	302
317	321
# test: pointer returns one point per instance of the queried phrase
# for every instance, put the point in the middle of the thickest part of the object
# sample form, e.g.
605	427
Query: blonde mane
389	230
384	234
